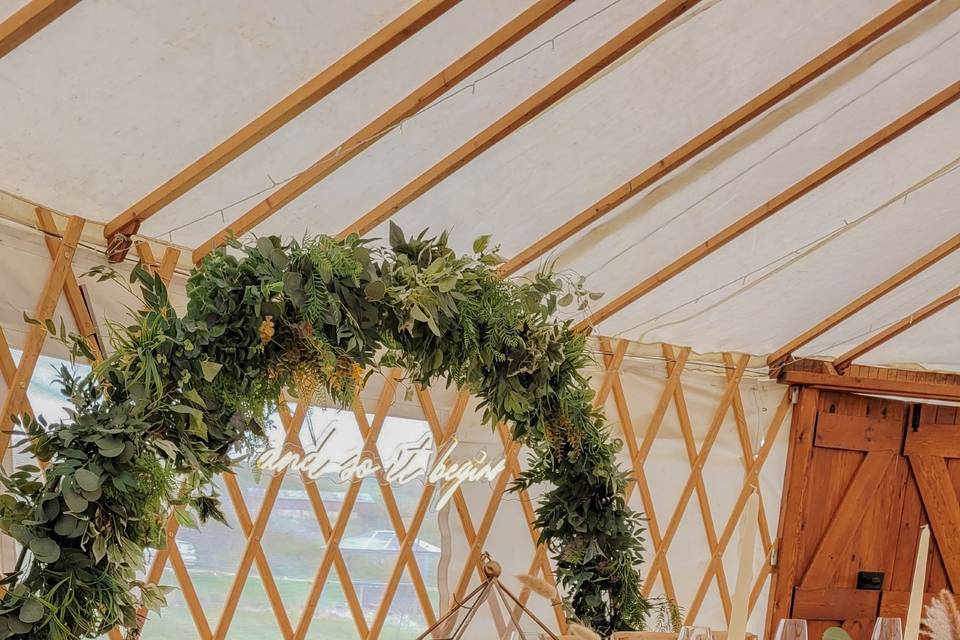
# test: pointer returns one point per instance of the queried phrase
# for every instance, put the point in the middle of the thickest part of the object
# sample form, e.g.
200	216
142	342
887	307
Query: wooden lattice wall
669	513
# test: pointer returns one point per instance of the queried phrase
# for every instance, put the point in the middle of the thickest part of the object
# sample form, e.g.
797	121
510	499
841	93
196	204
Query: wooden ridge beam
917	266
30	19
918	316
561	86
348	66
791	194
749	111
492	46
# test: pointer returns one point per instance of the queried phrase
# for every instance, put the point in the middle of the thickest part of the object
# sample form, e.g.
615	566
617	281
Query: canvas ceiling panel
870	184
935	342
813	273
667	228
657	98
779	148
778	303
323	127
898	304
95	117
399	157
10	7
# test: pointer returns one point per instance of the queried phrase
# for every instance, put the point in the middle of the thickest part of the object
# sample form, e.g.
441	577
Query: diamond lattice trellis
368	615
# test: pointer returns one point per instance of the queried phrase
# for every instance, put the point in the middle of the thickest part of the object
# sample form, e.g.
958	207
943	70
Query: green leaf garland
180	399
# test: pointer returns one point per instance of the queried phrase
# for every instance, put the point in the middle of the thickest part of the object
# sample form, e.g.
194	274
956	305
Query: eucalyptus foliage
179	399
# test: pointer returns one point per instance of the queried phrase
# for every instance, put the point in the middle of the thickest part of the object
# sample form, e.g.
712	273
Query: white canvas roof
113	98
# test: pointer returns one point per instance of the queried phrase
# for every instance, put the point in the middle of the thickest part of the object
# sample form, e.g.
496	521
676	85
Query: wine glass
695	633
887	629
791	629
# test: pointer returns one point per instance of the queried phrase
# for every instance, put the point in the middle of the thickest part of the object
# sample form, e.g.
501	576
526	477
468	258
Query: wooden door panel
871	466
943	511
859	433
837	543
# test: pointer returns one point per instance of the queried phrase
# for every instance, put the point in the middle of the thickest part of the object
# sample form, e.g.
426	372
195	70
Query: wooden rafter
574	77
356	60
721	129
917	266
791	194
918	316
30	19
488	49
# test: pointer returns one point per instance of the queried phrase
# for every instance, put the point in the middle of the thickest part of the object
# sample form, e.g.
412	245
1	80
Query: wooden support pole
492	46
791	194
352	63
608	53
29	20
918	316
917	266
17	393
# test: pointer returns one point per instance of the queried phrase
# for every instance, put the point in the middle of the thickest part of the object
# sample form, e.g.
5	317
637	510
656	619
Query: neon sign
408	463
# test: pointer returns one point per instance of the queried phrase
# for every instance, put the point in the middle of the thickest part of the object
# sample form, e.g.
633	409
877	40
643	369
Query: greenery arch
179	397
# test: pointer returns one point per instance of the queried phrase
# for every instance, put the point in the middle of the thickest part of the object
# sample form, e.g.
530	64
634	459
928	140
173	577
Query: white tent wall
668	470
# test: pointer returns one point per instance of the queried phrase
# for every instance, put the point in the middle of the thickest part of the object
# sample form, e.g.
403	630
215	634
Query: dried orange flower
266	330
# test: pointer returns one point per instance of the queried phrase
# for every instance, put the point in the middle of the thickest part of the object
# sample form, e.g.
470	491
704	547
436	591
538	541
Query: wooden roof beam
492	46
915	318
825	61
786	197
917	266
31	18
608	53
352	63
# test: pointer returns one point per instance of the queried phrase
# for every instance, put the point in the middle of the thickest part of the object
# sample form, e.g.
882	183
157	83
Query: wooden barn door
864	474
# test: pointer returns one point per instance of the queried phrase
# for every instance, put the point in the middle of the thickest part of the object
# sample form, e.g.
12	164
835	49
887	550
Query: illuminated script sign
409	462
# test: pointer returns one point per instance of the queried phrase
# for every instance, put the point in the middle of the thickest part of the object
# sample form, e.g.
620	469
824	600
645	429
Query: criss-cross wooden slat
743	433
749	483
708	441
486	523
459	502
349	500
253	549
609	387
540	563
612	364
14	401
396	521
71	287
